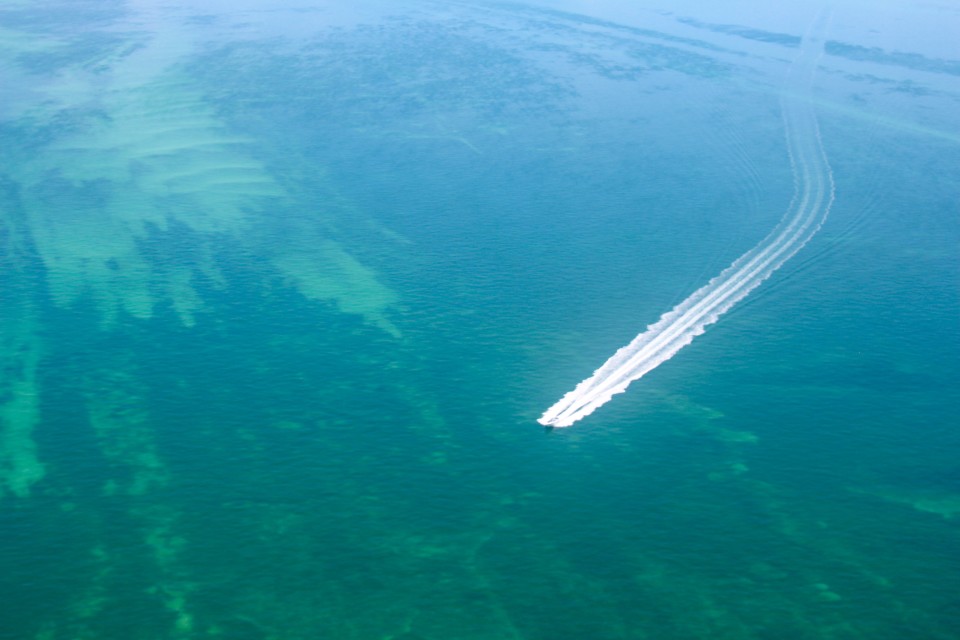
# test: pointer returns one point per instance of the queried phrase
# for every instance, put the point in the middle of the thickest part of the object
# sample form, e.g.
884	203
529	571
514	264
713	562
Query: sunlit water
286	287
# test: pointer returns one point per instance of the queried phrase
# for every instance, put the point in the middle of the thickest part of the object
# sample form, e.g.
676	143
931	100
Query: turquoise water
286	287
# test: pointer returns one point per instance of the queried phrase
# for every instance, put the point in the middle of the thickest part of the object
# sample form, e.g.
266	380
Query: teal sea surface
285	287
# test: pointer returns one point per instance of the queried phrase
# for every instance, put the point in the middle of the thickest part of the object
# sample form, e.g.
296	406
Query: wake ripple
813	196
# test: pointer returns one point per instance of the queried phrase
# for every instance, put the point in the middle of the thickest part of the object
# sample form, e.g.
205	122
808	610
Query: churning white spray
813	196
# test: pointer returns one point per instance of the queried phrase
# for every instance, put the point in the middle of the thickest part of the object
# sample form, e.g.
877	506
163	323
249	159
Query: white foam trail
813	196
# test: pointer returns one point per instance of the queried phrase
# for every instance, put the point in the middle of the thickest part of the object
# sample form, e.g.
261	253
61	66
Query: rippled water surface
286	286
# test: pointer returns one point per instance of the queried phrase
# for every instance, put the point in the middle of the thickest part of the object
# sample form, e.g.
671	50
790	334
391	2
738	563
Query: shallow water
286	288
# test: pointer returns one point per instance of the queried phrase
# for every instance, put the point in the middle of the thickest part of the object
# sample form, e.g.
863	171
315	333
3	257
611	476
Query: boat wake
813	196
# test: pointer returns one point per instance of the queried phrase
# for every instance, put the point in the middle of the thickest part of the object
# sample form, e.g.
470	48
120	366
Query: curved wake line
813	196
